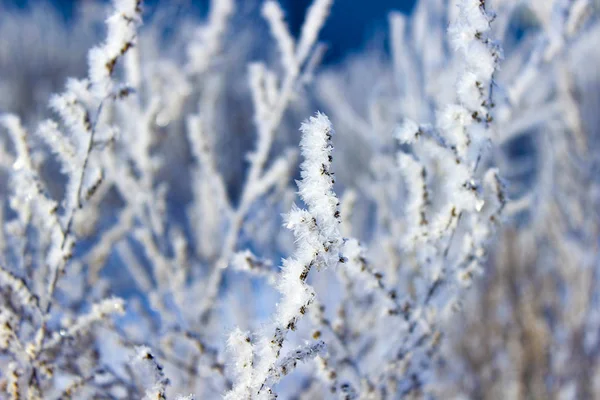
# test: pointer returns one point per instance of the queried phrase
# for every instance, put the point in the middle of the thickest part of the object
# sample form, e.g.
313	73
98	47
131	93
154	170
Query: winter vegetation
201	209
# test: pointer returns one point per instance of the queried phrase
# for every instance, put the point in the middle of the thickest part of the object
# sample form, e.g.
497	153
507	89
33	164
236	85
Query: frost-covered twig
146	360
250	263
209	37
83	324
318	241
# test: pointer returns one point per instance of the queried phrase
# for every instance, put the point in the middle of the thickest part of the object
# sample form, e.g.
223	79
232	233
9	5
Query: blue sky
351	25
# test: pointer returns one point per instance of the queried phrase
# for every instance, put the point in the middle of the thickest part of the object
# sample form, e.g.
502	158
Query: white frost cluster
240	346
120	37
480	55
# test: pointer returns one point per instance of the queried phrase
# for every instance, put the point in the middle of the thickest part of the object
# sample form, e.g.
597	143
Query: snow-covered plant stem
318	242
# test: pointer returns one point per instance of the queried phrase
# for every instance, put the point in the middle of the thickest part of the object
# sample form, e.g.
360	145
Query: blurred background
351	26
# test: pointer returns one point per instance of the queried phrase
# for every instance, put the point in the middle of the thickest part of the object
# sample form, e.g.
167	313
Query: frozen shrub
170	234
